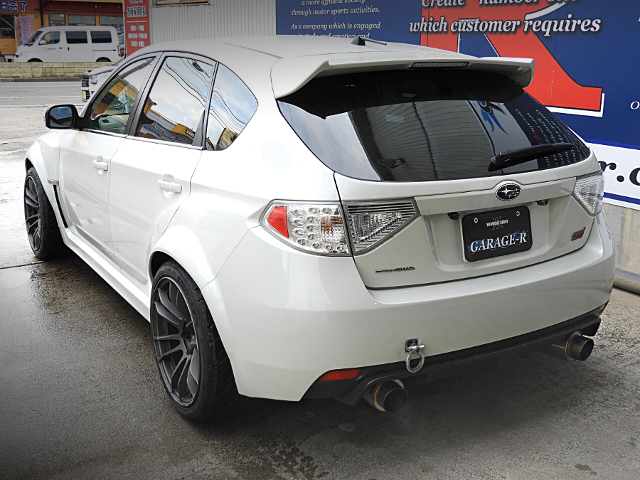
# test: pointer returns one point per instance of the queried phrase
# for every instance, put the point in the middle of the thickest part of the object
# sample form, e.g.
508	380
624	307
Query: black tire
40	219
103	59
34	60
194	367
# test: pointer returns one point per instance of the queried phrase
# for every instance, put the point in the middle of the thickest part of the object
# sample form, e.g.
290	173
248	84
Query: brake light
311	227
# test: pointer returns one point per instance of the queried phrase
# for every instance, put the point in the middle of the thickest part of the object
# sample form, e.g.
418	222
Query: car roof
289	62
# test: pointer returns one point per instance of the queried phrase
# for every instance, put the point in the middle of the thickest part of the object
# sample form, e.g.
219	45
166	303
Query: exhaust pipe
575	347
387	396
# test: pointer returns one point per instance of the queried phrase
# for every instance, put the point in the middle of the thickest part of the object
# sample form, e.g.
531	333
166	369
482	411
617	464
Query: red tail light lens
278	220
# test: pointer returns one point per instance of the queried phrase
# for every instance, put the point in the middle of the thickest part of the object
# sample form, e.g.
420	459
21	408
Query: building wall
219	18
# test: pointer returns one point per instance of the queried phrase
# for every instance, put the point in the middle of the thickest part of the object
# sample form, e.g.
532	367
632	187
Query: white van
70	44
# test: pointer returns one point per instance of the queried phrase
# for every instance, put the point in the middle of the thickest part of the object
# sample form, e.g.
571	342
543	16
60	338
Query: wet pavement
80	395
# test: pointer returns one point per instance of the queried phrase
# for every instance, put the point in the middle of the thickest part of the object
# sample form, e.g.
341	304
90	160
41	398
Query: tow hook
414	351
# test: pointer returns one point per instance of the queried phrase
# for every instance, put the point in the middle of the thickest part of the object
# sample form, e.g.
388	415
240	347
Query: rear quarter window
232	106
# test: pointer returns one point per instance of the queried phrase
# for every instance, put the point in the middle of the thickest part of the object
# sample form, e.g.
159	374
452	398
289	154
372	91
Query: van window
103	36
77	37
32	40
50	38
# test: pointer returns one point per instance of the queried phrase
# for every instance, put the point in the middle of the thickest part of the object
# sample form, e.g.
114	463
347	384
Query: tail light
311	227
589	191
320	227
371	223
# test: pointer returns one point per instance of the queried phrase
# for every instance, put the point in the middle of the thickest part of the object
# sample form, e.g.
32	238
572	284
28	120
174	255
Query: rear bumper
286	317
449	364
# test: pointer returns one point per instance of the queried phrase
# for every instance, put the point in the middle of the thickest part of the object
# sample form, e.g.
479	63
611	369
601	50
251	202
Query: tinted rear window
423	125
76	37
100	36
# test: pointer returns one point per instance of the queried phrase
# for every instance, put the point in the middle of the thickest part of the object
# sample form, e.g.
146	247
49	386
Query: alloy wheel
32	213
175	342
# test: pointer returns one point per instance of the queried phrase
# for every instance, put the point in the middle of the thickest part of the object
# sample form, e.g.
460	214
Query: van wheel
34	60
102	59
40	219
193	363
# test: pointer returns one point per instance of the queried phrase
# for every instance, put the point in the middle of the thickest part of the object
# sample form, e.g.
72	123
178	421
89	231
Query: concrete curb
47	79
627	281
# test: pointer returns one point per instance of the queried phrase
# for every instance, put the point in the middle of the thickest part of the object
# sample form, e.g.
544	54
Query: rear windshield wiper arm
521	155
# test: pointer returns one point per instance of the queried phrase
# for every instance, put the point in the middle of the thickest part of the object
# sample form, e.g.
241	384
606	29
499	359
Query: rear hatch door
415	147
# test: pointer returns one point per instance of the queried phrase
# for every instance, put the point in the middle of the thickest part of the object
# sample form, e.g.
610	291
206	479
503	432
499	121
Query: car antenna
361	40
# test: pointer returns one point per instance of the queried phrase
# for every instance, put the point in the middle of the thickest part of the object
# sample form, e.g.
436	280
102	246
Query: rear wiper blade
521	155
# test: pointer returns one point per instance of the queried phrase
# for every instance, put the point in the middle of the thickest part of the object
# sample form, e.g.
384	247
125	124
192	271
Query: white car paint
286	317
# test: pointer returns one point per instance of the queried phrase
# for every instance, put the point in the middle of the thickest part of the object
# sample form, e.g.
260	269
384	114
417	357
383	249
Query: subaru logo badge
508	191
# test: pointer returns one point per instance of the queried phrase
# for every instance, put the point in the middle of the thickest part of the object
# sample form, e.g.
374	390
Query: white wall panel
218	19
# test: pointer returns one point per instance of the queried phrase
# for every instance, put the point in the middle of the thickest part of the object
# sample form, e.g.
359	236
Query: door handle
100	165
174	187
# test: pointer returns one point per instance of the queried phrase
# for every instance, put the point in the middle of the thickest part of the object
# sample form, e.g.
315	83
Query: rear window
424	125
100	36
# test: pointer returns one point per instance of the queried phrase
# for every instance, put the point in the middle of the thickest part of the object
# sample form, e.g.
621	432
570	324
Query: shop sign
136	20
13	6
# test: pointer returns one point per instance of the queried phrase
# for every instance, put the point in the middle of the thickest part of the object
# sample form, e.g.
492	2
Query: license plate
84	94
496	233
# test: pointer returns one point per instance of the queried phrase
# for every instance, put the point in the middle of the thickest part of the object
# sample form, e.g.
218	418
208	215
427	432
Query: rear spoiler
290	74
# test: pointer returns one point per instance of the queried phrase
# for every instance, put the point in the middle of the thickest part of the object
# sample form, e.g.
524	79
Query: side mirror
61	117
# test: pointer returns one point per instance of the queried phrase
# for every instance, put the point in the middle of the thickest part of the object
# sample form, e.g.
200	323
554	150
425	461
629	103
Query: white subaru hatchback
325	218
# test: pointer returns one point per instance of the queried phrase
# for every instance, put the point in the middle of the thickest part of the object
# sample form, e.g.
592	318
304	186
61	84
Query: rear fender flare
44	157
181	244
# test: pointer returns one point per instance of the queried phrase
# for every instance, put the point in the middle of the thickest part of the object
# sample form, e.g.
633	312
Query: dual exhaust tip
391	396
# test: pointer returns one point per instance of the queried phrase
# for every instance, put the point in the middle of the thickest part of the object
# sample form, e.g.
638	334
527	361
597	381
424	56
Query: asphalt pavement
80	395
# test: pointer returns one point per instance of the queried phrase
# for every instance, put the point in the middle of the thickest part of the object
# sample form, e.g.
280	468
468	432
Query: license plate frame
496	233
